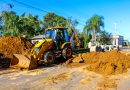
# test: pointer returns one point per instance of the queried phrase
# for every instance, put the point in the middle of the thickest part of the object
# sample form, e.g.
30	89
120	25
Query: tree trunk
94	35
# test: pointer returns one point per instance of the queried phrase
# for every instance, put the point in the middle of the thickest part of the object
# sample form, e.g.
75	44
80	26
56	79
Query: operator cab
53	33
59	36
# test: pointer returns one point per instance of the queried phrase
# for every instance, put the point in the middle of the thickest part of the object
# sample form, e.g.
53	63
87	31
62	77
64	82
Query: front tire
49	58
67	53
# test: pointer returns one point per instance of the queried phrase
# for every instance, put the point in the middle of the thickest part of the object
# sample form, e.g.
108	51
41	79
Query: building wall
120	40
126	43
117	40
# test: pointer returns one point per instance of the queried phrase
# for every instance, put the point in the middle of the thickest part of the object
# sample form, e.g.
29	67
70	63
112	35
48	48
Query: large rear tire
67	53
49	58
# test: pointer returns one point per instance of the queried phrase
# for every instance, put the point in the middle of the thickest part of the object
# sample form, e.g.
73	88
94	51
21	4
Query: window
51	34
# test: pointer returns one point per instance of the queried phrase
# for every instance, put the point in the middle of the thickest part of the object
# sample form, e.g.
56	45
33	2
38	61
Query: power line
31	6
36	8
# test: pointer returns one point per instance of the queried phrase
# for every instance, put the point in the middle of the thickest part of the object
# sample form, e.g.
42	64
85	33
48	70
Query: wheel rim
50	58
69	52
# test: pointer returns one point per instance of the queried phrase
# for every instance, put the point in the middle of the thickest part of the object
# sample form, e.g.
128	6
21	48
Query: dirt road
60	77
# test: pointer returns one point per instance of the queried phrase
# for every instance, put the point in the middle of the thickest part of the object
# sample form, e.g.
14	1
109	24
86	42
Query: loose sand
106	63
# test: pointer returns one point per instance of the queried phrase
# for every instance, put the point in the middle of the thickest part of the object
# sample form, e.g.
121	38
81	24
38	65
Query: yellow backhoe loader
56	43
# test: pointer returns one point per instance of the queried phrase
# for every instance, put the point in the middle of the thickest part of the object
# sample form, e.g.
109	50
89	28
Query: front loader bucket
23	62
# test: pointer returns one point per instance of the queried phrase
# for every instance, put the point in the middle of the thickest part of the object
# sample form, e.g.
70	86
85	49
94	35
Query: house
126	43
117	40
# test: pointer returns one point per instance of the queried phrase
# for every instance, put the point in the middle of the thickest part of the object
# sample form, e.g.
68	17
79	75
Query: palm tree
94	25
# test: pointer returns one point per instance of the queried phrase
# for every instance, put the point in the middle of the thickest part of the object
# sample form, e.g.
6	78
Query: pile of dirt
105	63
14	45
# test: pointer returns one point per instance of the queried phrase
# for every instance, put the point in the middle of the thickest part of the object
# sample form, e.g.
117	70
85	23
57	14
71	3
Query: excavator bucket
23	62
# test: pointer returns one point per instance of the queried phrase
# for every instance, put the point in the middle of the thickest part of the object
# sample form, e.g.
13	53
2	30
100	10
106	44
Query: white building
117	40
126	43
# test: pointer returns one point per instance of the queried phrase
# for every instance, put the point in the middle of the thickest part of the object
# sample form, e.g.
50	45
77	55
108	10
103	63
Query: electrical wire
31	6
38	9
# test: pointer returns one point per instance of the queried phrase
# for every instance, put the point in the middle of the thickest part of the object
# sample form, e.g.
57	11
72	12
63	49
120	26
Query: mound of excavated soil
13	45
106	63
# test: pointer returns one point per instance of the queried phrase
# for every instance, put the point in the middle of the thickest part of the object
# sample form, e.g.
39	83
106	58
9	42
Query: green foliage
53	20
14	25
0	23
10	26
104	37
87	38
81	38
94	25
84	39
30	25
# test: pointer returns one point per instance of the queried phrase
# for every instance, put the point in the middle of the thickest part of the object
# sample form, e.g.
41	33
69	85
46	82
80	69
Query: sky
116	13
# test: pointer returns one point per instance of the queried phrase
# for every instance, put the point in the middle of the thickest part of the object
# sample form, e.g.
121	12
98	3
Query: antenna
115	24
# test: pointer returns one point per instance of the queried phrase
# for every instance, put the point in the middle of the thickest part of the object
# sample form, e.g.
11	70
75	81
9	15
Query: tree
0	26
0	23
14	25
10	26
30	25
82	39
104	37
53	20
94	25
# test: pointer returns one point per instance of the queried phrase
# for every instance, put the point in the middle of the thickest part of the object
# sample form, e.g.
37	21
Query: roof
116	36
126	40
57	28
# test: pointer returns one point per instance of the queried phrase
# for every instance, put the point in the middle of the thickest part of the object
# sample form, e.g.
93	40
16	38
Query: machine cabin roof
56	28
